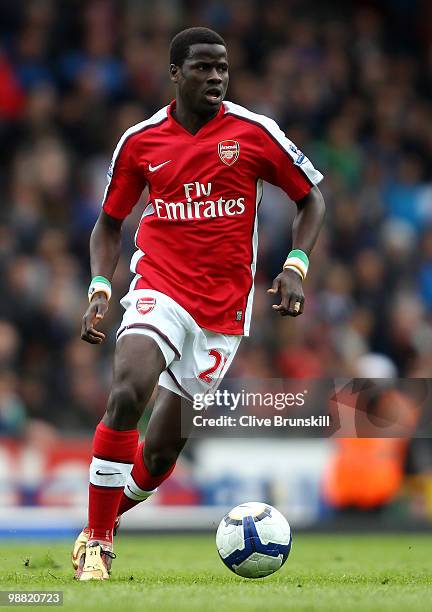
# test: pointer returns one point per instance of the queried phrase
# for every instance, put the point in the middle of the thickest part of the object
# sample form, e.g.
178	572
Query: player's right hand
94	313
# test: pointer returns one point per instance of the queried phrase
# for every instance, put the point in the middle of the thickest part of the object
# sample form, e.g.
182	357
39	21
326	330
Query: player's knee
159	461
124	404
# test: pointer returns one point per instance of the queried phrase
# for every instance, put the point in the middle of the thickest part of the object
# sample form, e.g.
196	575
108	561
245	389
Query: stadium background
350	83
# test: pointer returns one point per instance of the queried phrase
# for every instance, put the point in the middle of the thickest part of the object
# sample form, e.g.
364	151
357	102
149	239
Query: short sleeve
284	165
125	182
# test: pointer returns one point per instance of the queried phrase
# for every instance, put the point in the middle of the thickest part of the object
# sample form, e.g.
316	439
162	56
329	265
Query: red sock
140	483
113	455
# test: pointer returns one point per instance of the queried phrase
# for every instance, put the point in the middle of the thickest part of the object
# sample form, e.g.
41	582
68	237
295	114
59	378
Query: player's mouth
213	95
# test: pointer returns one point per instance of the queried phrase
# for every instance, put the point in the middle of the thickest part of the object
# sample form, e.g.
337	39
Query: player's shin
113	456
140	484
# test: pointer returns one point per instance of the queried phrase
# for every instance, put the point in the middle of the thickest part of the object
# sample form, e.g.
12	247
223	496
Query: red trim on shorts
153	328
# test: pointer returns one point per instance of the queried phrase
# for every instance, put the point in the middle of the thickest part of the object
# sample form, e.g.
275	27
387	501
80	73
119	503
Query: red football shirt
197	238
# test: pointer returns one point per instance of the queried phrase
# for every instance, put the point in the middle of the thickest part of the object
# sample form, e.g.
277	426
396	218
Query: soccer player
204	161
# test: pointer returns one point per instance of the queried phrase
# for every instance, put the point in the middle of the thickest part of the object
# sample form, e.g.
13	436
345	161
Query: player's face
202	81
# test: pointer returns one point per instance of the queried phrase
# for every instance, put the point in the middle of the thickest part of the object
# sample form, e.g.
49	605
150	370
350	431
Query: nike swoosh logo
154	168
106	473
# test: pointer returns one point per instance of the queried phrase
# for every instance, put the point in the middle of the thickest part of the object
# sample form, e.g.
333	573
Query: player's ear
174	73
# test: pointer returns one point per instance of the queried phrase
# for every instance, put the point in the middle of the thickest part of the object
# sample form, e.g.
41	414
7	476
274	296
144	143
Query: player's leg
149	339
157	454
138	363
165	436
206	357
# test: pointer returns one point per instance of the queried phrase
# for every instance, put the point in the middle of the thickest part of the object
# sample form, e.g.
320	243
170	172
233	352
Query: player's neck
190	120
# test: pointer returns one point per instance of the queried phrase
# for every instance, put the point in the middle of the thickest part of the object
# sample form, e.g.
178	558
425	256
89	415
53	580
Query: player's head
199	69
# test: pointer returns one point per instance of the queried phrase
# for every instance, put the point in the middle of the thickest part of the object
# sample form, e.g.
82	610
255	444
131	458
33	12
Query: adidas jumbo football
254	540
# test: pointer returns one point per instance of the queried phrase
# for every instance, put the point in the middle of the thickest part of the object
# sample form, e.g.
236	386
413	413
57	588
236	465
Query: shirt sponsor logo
204	209
229	151
145	305
199	204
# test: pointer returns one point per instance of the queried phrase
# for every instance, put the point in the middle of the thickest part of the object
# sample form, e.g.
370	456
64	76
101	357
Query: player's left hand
289	284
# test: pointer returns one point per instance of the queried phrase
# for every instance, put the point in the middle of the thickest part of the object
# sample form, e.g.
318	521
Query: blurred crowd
350	83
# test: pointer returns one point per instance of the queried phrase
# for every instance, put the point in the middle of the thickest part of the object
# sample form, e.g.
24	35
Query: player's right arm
105	244
125	185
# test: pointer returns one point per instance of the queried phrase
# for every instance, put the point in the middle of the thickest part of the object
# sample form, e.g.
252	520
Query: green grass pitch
179	573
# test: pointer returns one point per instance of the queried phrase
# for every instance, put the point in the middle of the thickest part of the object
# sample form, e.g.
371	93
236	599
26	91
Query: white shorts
196	359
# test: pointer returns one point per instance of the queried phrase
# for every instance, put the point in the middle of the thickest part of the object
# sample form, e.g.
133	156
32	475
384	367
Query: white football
254	540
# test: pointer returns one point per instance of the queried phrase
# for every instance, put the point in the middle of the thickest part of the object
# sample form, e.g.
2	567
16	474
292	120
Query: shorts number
206	375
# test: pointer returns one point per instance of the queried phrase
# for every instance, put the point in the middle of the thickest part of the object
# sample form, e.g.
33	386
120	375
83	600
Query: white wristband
299	261
99	285
297	264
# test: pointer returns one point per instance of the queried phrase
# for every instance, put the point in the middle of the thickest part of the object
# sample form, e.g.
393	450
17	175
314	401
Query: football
254	540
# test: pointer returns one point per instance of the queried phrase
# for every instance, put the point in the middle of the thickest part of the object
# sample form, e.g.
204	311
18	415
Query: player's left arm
284	165
306	227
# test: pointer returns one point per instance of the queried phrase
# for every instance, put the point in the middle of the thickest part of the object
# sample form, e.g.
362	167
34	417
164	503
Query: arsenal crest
145	305
229	151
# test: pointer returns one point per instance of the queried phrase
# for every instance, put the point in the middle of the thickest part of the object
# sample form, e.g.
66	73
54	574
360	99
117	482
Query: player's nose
214	76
